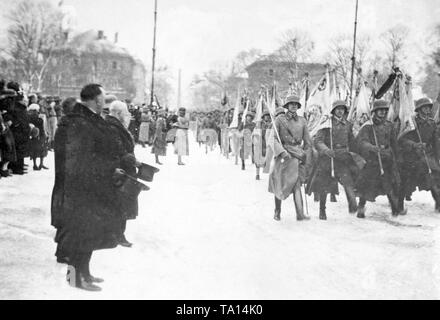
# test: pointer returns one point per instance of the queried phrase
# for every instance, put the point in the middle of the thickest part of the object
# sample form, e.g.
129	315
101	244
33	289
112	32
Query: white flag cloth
259	113
319	106
406	111
246	110
360	113
234	123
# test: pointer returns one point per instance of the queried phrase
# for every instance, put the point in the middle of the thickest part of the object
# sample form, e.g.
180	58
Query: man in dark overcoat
377	143
18	121
339	147
84	203
419	151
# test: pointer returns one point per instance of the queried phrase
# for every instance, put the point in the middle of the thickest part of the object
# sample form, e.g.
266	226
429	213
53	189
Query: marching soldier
246	129
338	147
378	146
290	153
421	152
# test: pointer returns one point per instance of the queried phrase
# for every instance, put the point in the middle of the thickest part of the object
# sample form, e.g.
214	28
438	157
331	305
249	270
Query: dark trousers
351	199
393	199
298	201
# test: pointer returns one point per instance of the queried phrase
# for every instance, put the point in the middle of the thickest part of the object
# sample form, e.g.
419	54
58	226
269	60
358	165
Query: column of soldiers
374	163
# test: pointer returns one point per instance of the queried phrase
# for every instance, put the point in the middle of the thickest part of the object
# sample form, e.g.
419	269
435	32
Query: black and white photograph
229	150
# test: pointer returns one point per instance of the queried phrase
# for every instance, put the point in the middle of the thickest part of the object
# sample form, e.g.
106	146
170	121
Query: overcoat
414	170
127	161
370	182
84	206
345	167
295	140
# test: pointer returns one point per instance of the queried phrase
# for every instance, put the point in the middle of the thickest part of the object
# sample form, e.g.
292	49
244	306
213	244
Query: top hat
131	187
291	99
423	102
146	172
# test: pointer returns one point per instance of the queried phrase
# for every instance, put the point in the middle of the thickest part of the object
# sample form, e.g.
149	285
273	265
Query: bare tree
395	40
296	46
33	34
340	55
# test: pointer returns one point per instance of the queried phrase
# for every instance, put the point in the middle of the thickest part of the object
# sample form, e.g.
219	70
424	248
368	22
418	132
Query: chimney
100	35
116	37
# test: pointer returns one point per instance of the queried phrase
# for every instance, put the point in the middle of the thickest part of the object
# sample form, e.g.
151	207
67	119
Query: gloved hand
374	149
118	177
128	160
286	156
330	153
420	146
386	154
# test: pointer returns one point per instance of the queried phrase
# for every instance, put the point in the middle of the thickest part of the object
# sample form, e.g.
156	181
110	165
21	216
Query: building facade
267	71
90	57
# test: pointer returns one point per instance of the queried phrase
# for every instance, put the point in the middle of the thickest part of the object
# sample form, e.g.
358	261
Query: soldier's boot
316	196
243	166
299	207
394	203
361	208
322	201
351	199
277	215
257	177
333	198
401	205
435	192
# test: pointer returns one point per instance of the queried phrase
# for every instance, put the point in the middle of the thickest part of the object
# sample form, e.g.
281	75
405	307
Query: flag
394	111
360	112
246	110
259	113
406	110
234	123
271	105
319	106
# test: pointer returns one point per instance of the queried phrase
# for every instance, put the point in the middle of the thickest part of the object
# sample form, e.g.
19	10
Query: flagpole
353	58
154	53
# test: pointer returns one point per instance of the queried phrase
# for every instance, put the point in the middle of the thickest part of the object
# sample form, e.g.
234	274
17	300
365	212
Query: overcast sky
193	34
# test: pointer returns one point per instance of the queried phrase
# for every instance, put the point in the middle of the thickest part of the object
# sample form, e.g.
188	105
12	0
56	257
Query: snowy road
205	231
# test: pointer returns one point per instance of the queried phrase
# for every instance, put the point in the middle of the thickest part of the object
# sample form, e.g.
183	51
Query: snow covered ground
205	231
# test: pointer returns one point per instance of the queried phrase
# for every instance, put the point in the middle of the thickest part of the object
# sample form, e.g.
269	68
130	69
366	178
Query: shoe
43	167
333	198
5	173
88	286
302	218
159	163
37	168
92	279
125	243
181	164
353	210
19	172
322	215
257	177
277	216
79	281
361	213
403	212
